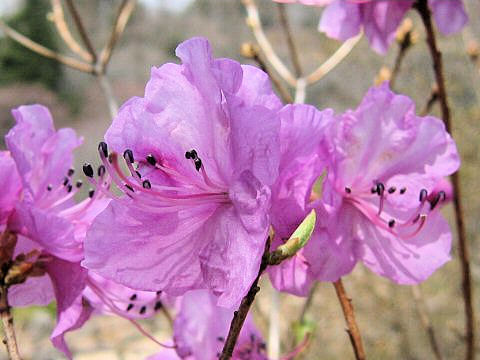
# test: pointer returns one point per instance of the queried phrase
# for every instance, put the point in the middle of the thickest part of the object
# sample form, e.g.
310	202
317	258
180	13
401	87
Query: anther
348	190
88	170
65	181
440	196
221	339
391	223
193	154
143	309
188	155
103	148
198	164
128	155
392	189
49	187
91	192
403	190
151	160
129	187
133	297
158	305
423	195
159	292
69	188
146	184
374	189
101	170
380	189
79	184
129	307
138	174
71	171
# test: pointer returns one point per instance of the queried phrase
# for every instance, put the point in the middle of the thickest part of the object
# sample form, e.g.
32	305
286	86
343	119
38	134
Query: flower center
366	202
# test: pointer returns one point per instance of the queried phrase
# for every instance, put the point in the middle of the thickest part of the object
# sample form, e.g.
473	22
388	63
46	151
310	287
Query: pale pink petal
450	15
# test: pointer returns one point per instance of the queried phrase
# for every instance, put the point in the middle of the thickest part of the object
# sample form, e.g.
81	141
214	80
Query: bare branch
7	321
121	20
81	29
42	50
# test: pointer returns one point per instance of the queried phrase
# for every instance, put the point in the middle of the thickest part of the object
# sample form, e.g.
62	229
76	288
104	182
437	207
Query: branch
58	19
422	311
121	20
253	20
240	315
7	320
42	50
288	35
353	330
422	8
81	29
333	60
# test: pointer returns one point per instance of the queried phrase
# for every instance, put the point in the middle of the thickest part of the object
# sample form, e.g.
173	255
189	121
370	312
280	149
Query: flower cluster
379	19
196	175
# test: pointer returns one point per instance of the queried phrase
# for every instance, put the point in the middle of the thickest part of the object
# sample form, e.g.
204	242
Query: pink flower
11	186
302	161
194	213
201	327
343	19
385	164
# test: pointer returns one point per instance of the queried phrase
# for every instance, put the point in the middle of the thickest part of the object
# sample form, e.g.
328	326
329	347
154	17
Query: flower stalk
425	14
10	340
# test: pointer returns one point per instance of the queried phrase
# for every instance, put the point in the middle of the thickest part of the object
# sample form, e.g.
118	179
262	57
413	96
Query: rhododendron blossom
381	196
343	19
48	222
195	209
201	327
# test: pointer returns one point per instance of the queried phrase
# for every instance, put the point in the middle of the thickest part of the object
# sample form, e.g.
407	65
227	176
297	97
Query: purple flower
380	199
343	19
201	327
194	213
301	163
11	187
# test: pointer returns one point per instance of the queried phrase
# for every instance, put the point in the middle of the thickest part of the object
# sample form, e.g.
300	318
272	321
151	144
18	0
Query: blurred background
386	313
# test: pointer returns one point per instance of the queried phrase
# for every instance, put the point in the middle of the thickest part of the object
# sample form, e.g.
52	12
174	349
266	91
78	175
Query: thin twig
353	330
432	100
425	14
422	311
7	320
42	50
291	44
58	18
333	60
253	20
402	51
308	303
108	92
240	315
81	29
121	20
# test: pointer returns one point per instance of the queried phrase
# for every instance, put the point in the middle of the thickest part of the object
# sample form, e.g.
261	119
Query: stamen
128	155
133	297
69	188
129	307
158	305
65	181
101	171
70	172
403	190
392	189
88	170
391	223
198	164
151	159
79	184
49	187
440	196
348	190
143	309
423	195
103	148
380	188
91	192
146	184
129	187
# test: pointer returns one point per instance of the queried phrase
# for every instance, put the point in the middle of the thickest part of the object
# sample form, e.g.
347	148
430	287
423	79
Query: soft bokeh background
386	313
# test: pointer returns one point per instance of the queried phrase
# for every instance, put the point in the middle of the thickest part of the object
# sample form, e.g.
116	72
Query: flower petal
450	15
10	184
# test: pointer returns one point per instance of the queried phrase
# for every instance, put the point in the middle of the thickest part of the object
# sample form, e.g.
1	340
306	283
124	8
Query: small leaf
297	240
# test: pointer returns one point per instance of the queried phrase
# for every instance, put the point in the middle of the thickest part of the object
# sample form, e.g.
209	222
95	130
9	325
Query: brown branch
81	29
58	18
353	330
422	311
240	315
10	340
288	35
121	20
422	8
42	50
